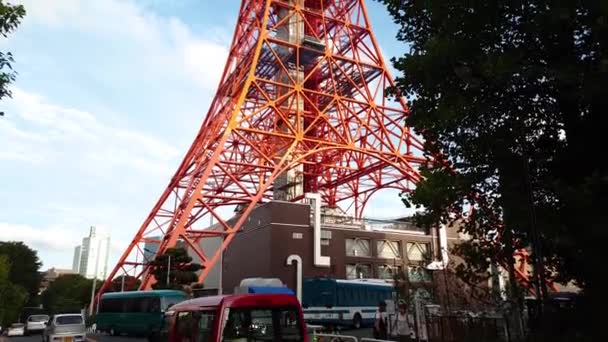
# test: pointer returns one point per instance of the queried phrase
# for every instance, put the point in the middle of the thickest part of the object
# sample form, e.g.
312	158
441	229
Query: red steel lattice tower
301	107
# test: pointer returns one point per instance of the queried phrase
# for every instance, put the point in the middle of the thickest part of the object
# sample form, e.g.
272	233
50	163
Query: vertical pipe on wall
298	260
315	201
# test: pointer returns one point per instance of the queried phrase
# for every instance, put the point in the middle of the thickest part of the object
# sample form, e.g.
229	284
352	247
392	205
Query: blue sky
109	96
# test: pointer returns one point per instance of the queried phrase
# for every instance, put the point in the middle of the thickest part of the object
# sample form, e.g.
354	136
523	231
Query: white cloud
161	45
53	238
85	133
48	131
56	239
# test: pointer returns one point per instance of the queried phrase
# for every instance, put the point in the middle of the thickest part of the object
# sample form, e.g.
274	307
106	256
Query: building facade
49	276
76	259
150	248
91	257
355	249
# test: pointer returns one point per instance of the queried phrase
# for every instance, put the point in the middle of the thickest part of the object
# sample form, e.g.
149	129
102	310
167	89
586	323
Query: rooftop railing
349	222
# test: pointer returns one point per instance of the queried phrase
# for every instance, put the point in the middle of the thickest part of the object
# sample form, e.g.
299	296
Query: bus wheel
357	321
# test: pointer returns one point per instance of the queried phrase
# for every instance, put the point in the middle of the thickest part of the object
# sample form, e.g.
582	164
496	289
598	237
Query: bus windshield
262	324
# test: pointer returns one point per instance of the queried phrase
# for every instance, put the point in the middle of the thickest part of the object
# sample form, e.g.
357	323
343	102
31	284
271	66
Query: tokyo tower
300	108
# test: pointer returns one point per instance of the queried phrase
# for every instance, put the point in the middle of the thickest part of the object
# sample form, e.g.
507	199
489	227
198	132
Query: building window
357	247
417	274
417	251
358	271
388	249
388	271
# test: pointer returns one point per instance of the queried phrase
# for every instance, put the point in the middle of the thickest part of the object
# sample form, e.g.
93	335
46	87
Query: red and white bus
241	317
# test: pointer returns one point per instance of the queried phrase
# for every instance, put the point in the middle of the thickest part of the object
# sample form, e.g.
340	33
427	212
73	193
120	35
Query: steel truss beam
302	93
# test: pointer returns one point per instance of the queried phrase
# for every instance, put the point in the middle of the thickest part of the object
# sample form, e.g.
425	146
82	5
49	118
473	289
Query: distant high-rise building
76	260
92	255
150	249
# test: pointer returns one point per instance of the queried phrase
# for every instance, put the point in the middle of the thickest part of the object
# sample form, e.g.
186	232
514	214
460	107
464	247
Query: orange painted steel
523	270
300	107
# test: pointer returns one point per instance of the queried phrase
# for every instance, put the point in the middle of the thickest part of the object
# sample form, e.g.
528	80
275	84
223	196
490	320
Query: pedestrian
402	324
380	323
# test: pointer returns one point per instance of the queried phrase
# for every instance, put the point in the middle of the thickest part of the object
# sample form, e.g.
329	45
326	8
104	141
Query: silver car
36	323
65	328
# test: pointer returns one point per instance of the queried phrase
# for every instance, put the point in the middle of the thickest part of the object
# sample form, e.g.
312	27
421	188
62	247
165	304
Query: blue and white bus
343	302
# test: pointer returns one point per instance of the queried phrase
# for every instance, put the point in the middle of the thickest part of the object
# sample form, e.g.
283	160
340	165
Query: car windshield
39	318
17	325
65	320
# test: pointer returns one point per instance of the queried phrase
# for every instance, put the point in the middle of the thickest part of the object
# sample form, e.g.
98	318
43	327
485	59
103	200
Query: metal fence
466	329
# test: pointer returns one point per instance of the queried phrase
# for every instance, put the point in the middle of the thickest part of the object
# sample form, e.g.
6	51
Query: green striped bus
135	312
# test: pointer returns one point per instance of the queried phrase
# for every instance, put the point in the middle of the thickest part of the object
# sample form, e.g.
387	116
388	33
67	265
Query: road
92	338
105	338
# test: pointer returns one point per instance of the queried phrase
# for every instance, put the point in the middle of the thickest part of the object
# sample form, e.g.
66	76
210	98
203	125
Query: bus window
110	305
205	326
184	327
168	302
148	305
270	324
194	326
154	305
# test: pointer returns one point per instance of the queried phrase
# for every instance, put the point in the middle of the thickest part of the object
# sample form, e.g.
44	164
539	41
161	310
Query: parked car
66	328
16	329
36	323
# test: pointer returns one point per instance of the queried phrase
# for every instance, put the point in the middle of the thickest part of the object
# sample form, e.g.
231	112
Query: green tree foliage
183	270
25	266
12	297
10	17
513	95
130	284
68	293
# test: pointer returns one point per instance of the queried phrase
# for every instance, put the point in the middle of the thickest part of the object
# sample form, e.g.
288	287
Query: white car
65	328
36	323
16	329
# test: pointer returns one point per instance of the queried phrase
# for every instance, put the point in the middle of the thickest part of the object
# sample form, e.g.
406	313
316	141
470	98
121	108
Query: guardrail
349	222
333	338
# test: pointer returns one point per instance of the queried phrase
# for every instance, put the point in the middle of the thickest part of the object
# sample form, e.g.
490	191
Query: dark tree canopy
10	17
68	293
25	266
182	269
513	95
12	297
130	284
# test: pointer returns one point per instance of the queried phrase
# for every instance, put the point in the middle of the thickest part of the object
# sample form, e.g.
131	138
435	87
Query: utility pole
220	289
168	268
92	305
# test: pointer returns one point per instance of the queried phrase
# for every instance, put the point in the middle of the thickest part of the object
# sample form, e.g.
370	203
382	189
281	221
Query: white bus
343	302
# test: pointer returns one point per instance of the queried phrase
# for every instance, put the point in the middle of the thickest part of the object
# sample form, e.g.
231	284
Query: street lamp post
92	305
168	269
